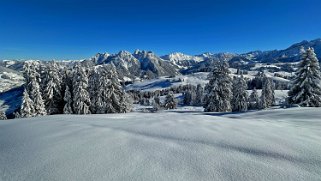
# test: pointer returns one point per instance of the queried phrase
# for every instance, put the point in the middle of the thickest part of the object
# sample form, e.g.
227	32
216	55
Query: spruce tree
52	89
27	109
189	97
32	78
156	103
267	97
254	99
240	97
199	95
107	94
218	92
119	99
170	101
17	115
68	101
93	84
35	95
81	99
2	115
306	86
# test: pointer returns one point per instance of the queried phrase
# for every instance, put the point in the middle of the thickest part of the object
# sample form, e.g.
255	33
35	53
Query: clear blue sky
75	29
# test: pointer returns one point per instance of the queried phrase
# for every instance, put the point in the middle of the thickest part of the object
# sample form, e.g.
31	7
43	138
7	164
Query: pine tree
17	115
189	97
52	89
2	115
81	99
27	109
199	95
93	82
218	92
107	94
240	97
68	101
119	100
35	95
170	101
306	89
254	100
32	78
156	103
267	97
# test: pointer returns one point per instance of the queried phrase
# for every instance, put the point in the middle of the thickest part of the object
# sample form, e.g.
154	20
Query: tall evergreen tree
81	99
32	78
52	90
119	101
218	92
199	95
170	101
240	97
267	97
189	96
27	109
254	100
68	101
35	95
31	74
93	84
306	86
156	103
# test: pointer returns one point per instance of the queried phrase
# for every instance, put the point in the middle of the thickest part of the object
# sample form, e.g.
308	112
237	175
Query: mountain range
146	64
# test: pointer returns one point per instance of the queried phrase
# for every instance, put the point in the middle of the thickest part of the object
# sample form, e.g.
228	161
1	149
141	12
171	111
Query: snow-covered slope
9	79
10	101
182	60
265	145
167	82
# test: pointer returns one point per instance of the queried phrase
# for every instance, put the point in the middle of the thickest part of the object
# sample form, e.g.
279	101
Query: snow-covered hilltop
180	145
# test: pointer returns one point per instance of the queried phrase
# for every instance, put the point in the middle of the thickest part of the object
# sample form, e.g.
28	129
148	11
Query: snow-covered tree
156	103
31	73
254	100
199	95
240	97
267	97
170	101
93	83
306	86
119	98
68	101
27	106
17	115
111	98
2	115
81	99
189	97
32	78
218	92
52	93
35	95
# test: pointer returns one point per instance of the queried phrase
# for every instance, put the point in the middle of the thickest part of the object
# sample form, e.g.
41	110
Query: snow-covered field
178	145
165	82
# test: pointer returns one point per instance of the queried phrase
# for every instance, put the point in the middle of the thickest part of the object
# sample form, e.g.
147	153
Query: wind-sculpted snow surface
264	145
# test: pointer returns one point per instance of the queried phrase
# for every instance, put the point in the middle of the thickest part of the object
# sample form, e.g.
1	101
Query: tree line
55	89
52	88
